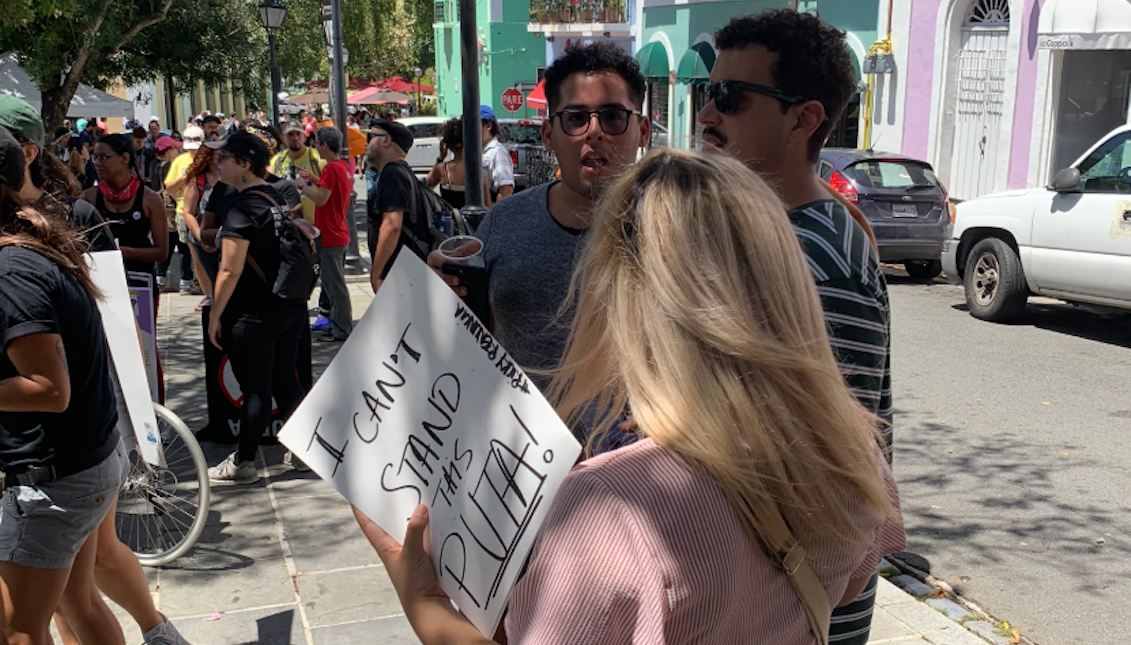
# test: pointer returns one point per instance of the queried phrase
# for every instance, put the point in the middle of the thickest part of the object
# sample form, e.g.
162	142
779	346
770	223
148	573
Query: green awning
695	66
653	60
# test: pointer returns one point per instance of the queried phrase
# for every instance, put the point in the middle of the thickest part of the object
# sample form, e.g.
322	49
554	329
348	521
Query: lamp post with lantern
272	13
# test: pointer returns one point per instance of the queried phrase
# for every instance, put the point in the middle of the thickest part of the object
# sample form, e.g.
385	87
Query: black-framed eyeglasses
102	156
728	94
613	121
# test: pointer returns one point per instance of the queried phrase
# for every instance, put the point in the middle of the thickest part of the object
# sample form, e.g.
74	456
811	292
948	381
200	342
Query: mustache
714	132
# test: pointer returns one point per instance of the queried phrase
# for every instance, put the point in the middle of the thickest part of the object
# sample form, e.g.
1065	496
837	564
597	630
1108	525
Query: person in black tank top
134	213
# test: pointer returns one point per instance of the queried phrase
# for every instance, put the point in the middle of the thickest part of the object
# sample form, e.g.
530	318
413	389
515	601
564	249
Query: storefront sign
423	406
1056	41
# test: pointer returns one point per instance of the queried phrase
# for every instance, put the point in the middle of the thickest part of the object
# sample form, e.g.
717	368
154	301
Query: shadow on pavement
1103	325
1011	484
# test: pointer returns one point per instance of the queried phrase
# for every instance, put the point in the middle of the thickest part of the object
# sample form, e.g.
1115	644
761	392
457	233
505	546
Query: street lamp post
419	73
272	13
332	24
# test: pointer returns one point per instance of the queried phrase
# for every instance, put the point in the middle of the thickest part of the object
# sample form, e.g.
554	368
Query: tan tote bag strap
809	589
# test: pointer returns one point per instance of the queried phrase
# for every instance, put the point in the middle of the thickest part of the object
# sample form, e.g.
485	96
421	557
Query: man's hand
307	176
436	260
376	282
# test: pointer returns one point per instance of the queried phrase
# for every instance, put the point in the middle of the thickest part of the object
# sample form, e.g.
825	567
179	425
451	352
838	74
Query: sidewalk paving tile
932	625
947	606
323	534
347	596
262	626
886	628
988	632
393	630
261	582
888	594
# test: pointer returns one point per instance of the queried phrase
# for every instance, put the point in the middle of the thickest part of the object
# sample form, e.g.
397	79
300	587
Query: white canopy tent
1085	24
87	102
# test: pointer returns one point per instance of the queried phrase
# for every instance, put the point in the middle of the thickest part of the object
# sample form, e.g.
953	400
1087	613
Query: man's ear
548	134
810	116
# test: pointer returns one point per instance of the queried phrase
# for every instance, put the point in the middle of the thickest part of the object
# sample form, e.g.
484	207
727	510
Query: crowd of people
714	327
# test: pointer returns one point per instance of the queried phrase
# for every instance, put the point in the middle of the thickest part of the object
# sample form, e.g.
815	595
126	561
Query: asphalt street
1012	451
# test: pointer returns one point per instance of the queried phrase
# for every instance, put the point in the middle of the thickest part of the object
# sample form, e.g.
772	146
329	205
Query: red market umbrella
537	97
378	96
401	84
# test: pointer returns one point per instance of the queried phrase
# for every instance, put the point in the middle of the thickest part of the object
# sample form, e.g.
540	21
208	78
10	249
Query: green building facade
508	54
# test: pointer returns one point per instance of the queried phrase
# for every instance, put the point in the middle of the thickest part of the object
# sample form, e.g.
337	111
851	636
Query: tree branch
78	68
146	21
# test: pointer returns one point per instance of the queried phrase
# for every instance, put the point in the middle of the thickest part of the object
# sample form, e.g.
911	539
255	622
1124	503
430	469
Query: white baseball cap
193	137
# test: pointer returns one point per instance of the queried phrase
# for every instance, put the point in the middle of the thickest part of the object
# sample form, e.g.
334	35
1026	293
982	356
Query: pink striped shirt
639	549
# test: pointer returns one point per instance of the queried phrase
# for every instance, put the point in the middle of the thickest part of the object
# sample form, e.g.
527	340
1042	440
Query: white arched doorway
979	82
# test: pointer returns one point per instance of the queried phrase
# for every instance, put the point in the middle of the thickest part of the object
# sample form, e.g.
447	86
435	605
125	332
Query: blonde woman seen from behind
695	310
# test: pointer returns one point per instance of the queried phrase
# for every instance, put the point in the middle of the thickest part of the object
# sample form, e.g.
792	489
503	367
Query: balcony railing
567	12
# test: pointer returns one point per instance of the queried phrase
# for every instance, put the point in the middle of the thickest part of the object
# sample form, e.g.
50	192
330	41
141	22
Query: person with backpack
397	204
257	312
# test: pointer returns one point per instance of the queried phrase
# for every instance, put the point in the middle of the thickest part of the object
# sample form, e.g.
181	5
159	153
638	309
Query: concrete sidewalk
283	562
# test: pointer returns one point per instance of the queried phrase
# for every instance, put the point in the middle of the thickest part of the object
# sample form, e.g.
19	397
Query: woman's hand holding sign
410	569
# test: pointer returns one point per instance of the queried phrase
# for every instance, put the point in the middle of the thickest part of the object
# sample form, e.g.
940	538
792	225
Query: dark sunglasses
613	121
728	94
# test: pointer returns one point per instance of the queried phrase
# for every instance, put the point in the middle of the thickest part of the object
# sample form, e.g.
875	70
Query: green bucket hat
21	119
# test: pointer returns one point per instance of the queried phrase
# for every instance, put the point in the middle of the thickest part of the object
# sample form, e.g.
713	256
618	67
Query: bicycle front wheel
162	510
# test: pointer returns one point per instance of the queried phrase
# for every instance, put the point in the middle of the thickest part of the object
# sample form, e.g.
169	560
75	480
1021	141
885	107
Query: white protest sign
422	405
118	321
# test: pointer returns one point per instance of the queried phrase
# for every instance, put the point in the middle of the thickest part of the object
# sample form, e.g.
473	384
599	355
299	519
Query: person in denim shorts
59	449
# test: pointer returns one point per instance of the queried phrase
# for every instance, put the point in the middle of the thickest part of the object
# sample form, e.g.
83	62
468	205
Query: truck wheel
925	270
995	282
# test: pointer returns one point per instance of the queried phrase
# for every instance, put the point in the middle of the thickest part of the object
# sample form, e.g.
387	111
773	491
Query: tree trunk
56	101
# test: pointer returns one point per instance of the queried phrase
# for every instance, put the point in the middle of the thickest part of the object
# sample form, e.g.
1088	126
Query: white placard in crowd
422	405
117	309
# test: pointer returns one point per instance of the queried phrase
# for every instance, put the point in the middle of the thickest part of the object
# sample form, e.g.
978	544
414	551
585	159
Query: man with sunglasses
781	81
531	239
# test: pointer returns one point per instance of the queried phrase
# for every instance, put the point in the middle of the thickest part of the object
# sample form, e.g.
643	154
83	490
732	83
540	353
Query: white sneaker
289	459
229	472
164	634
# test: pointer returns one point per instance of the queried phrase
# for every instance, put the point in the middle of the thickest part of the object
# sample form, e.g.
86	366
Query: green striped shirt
854	295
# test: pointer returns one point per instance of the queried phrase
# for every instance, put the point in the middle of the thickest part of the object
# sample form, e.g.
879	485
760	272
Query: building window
988	13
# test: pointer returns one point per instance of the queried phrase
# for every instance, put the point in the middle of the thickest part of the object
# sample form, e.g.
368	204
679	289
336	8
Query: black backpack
300	243
432	207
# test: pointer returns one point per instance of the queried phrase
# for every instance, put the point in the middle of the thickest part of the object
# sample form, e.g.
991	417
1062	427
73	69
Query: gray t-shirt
529	258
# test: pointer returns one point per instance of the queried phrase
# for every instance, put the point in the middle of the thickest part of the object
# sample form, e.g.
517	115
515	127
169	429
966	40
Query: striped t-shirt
638	548
854	296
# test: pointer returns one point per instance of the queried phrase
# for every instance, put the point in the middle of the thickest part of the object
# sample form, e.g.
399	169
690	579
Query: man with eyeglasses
781	81
531	240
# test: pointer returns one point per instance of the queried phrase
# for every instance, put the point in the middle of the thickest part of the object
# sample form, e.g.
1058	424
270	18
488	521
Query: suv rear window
530	134
423	130
895	175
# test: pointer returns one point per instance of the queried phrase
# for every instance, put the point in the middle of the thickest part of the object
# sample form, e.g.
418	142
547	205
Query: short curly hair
594	58
813	60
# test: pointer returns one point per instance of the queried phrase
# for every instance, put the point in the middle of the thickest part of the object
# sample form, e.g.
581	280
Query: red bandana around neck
120	196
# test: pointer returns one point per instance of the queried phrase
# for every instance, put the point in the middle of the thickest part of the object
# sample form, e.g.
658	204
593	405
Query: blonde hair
696	310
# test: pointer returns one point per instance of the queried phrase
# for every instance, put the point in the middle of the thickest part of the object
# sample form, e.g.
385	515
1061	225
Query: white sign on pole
422	405
117	309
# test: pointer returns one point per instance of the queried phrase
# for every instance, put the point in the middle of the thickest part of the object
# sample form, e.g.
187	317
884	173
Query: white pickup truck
1071	240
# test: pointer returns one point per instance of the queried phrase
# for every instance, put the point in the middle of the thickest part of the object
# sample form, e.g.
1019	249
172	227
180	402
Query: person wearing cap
59	142
331	195
259	330
50	187
175	179
211	125
496	159
396	202
295	157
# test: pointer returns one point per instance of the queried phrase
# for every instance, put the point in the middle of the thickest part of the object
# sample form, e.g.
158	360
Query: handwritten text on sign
422	405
